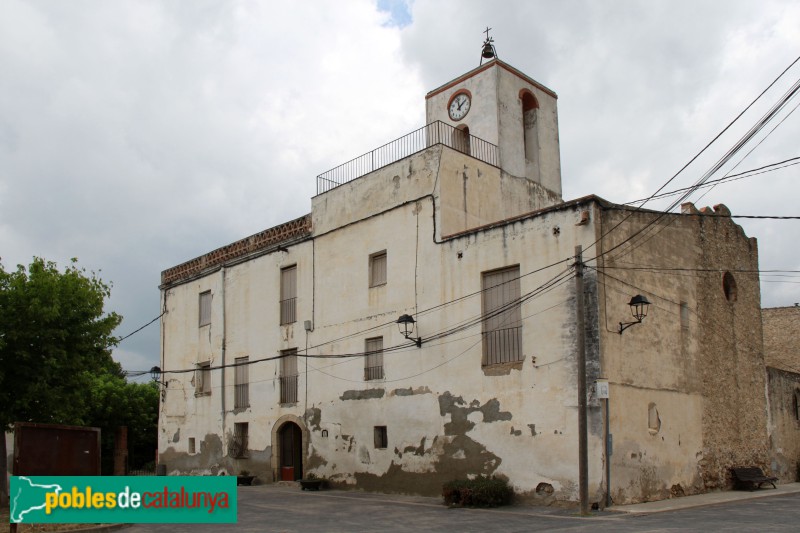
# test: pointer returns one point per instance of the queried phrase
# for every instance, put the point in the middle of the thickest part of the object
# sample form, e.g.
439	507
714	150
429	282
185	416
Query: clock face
459	106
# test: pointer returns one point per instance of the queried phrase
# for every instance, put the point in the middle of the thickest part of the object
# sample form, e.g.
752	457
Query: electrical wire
517	302
733	177
753	130
140	329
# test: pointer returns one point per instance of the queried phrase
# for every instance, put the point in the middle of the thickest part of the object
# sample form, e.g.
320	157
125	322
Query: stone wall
731	350
782	337
688	384
784	395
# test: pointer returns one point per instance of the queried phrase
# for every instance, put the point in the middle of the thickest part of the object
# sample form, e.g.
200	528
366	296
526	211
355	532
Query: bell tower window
461	139
530	132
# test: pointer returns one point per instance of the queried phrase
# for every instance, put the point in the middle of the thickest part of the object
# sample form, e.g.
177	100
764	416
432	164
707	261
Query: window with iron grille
373	360
288	302
377	269
502	318
288	376
202	379
205	308
241	381
192	448
238	447
381	437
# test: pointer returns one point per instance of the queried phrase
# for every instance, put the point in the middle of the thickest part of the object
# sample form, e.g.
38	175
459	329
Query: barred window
288	376
381	437
377	269
202	379
241	383
502	317
238	446
373	361
288	301
205	308
192	448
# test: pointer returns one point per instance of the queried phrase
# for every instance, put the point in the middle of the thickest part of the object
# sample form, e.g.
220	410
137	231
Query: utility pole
583	460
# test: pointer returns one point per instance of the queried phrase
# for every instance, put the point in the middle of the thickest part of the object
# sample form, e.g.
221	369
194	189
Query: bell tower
501	105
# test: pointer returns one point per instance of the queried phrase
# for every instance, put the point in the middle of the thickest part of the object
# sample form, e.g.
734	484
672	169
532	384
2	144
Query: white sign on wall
601	389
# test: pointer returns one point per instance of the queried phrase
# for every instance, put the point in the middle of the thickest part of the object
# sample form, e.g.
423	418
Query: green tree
115	402
54	338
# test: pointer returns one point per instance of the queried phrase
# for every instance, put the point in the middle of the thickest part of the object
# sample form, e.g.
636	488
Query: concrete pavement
710	498
288	509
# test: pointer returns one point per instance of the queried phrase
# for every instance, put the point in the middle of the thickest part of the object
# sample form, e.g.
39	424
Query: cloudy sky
135	135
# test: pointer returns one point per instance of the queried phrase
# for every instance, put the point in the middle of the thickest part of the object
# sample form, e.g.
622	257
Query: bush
479	492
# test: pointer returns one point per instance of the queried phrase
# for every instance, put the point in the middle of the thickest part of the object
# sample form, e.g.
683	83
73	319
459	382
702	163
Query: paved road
284	509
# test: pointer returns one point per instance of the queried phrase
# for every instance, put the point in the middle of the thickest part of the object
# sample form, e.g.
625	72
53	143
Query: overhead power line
139	329
733	177
731	152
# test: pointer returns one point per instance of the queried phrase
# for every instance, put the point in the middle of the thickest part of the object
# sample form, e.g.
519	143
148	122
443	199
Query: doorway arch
290	440
461	139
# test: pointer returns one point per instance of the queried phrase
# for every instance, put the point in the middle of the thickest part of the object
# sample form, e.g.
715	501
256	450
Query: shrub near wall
479	492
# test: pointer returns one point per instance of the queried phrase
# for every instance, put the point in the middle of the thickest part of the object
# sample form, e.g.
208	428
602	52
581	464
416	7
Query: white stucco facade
444	219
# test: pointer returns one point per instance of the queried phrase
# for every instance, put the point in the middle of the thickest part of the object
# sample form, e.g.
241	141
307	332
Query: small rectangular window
288	377
377	269
241	383
191	445
202	378
288	301
239	442
381	437
205	308
373	361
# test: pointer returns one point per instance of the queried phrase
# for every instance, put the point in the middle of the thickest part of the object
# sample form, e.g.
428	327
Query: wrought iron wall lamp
639	306
406	325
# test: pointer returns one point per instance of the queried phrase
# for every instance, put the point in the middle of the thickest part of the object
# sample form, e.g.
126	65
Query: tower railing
429	135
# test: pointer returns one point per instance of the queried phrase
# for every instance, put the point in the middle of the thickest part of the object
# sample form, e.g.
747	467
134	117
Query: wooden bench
752	477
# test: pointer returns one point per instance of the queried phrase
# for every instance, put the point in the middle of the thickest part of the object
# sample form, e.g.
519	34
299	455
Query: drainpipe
222	356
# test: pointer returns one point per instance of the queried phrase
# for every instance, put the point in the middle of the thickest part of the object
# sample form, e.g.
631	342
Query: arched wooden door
291	452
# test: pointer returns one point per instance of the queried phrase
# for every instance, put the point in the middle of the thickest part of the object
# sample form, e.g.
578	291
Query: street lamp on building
406	325
155	373
639	306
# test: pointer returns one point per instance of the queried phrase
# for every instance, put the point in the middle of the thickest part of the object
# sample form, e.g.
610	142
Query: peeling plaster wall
699	366
251	293
687	386
445	416
655	362
519	424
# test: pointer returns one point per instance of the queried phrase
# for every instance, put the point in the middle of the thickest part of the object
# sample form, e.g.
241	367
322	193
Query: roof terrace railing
434	133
